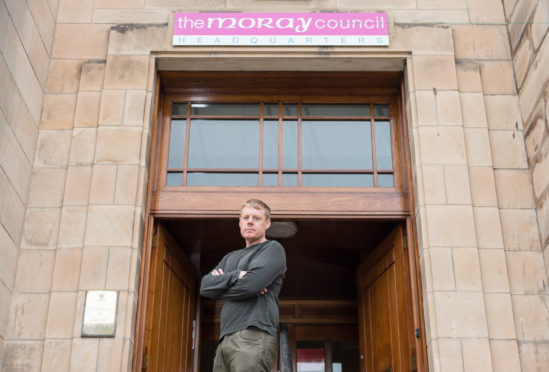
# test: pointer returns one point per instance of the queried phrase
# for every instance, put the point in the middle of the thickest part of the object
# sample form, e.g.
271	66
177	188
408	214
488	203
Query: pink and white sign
342	29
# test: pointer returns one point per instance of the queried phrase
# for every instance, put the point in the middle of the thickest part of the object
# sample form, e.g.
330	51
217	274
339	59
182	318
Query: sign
299	29
100	314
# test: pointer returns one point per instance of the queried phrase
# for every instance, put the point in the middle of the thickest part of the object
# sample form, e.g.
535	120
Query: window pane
224	144
289	110
270	179
338	180
270	109
384	155
289	179
345	356
174	179
179	109
224	109
177	144
385	180
222	179
381	110
336	145
270	144
289	144
335	110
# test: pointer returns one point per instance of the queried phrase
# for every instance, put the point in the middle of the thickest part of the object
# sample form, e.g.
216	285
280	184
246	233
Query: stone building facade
78	88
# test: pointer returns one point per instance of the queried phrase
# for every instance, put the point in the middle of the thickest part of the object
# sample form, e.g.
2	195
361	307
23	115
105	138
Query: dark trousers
249	350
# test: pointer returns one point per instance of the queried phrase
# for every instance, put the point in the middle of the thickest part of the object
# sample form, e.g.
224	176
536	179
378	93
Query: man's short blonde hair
259	205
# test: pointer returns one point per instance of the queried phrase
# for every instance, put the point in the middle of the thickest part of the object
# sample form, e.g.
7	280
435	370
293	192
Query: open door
169	337
383	318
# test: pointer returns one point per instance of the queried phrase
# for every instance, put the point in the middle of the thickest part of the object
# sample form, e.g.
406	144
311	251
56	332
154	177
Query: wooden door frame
408	218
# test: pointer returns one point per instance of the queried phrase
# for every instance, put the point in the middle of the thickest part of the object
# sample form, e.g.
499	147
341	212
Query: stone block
132	16
110	354
476	354
460	314
441	4
12	214
540	172
499	313
39	58
94	267
61	315
137	39
481	41
83	146
426	107
508	149
508	6
103	184
53	148
67	269
93	73
134	107
435	72
278	4
520	229
488	227
47	187
91	42
535	136
44	20
22	356
423	39
64	76
442	145
58	112
450	356
519	19
77	189
75	11
521	61
448	108
540	23
118	270
84	354
442	269
34	271
87	109
126	184
28	315
112	107
456	179
118	4
468	74
483	187
421	16
25	129
513	188
41	228
543	217
57	356
505	356
110	226
497	77
494	271
433	184
467	269
486	11
503	112
531	317
534	356
532	88
8	262
472	110
526	272
451	226
118	145
126	72
73	223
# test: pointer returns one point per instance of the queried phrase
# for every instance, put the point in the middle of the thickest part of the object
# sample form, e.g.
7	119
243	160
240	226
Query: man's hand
217	272
241	275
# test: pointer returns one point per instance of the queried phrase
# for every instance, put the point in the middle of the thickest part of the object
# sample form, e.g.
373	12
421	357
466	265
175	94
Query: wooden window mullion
187	138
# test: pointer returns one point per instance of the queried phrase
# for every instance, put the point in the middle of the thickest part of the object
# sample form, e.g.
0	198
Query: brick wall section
528	30
26	40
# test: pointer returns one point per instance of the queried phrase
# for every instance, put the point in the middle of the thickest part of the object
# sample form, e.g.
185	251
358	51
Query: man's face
253	225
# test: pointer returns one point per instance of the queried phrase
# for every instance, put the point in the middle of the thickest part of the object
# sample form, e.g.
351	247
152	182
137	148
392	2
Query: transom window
280	144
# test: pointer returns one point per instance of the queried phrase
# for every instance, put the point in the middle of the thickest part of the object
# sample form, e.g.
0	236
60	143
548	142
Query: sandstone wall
26	40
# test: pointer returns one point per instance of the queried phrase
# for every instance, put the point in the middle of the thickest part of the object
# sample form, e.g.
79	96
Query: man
249	280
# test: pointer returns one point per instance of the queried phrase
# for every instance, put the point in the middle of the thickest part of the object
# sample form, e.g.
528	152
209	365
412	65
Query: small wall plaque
100	314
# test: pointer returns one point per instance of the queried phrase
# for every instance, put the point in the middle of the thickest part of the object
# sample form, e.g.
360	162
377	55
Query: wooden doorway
189	190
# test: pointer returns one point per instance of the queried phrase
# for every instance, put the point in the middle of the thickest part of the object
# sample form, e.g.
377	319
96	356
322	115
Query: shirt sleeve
264	268
213	286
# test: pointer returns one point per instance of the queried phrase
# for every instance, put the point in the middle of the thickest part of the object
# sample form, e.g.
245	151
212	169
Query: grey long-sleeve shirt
265	266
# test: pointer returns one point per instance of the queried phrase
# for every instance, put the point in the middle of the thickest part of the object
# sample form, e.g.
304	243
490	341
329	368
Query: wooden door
169	343
383	320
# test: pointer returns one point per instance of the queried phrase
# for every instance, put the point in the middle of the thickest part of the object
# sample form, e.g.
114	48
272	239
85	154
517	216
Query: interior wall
26	40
